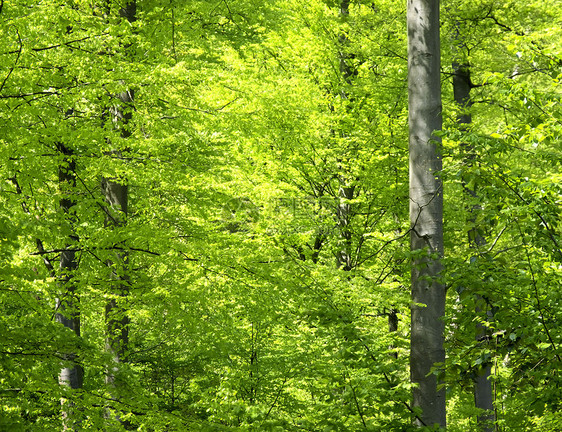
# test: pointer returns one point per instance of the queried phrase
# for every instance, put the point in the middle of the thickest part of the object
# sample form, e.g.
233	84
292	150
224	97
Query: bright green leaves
243	131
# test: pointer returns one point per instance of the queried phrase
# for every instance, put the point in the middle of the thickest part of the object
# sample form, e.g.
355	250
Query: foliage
244	130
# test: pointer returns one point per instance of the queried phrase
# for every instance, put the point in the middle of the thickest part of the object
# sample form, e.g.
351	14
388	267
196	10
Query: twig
18	52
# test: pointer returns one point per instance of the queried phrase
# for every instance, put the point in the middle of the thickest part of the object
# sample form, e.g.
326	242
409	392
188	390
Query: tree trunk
68	304
344	257
116	319
426	210
117	332
483	392
346	191
116	194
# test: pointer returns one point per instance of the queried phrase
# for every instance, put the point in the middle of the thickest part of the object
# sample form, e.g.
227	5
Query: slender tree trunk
116	318
344	257
426	210
68	304
483	392
117	321
346	191
393	328
116	194
345	68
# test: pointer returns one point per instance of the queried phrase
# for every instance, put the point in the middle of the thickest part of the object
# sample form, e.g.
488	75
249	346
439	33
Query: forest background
204	215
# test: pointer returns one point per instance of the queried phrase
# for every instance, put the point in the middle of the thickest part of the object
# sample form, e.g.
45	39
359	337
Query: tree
68	303
462	84
249	239
496	43
116	193
426	211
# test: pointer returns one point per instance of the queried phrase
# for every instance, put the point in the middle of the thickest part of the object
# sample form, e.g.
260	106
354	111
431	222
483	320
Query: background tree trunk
116	194
346	190
117	321
483	392
68	304
426	210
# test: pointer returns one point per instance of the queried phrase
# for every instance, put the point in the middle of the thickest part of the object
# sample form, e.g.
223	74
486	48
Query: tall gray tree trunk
68	303
426	210
483	391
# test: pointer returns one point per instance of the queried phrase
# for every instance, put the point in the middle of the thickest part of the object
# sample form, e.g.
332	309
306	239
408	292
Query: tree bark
426	210
68	304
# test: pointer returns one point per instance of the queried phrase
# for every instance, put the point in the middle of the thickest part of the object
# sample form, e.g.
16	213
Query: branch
187	258
357	404
46	260
385	244
537	296
33	354
276	398
136	250
101	206
503	26
493	245
44	252
24	95
61	44
18	52
406	404
549	230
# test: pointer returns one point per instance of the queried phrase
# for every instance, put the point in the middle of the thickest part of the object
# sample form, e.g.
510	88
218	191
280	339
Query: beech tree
462	85
251	237
426	211
68	303
116	194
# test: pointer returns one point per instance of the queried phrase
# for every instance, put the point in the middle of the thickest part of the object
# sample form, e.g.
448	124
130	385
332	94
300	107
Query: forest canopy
206	215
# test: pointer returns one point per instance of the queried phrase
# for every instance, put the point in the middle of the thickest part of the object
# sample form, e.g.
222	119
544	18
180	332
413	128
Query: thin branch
276	398
46	260
503	26
385	244
45	252
357	404
537	296
494	242
18	52
24	95
42	251
406	404
549	230
32	354
61	44
103	208
187	258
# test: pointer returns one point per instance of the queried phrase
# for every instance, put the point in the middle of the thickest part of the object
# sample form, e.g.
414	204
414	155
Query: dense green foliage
267	229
